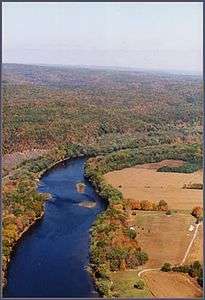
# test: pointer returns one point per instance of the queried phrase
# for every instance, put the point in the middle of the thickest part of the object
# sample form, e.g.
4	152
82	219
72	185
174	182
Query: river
50	259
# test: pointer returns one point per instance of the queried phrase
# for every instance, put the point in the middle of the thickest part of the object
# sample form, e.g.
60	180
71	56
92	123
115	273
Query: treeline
113	244
22	205
186	168
190	153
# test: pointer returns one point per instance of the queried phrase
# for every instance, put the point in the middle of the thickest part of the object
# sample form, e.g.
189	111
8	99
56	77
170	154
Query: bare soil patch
176	285
143	182
12	160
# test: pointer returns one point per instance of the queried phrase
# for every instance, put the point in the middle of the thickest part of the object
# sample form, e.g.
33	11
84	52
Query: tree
136	258
163	205
139	284
197	212
166	267
131	232
195	269
146	205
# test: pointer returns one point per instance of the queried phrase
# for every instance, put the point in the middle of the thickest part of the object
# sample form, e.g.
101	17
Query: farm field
143	182
176	285
165	238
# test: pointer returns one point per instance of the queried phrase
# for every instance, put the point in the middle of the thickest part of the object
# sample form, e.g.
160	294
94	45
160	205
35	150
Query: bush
168	212
103	272
195	269
166	267
103	286
146	205
197	212
131	233
193	186
183	269
162	205
139	285
116	257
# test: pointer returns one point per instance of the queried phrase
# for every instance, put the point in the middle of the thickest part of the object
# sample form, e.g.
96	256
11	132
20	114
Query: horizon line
120	68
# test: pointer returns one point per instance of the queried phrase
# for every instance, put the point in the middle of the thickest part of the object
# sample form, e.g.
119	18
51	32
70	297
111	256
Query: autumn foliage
197	212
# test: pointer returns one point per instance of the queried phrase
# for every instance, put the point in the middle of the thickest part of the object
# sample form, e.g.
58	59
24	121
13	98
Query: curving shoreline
20	237
5	262
61	228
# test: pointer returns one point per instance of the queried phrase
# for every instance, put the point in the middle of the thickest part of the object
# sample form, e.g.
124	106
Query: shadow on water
50	259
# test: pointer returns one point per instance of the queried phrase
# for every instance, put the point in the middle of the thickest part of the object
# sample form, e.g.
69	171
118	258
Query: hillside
98	107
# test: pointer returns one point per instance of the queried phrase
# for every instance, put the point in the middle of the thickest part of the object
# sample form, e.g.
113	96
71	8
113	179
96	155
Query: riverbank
23	205
17	219
64	229
14	245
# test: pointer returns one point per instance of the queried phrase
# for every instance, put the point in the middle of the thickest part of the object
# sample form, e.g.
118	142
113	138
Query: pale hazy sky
141	35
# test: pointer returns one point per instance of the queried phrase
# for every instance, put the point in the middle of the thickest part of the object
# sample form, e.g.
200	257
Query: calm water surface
50	260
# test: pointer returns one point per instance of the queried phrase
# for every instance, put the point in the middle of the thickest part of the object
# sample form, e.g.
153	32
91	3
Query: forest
119	109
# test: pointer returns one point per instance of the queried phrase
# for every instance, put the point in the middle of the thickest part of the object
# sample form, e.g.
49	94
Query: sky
155	36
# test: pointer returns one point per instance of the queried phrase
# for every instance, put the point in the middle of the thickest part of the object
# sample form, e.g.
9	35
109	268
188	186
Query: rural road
190	244
185	255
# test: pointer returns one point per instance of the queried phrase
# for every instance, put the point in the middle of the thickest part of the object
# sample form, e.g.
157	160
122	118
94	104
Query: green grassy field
123	285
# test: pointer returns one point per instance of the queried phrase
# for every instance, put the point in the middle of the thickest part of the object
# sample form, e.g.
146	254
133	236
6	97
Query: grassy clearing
123	285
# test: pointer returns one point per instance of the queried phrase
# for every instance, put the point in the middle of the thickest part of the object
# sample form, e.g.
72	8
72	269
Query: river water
50	259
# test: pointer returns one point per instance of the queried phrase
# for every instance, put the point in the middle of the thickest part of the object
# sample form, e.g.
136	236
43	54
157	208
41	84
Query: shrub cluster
186	168
145	205
193	186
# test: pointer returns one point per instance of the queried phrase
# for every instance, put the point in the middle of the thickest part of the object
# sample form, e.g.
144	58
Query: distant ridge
112	68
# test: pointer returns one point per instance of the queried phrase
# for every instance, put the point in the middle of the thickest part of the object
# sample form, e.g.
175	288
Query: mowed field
143	182
165	238
171	285
123	285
